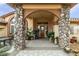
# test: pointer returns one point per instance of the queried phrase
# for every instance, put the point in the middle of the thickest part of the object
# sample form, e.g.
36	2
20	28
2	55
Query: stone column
64	28
19	36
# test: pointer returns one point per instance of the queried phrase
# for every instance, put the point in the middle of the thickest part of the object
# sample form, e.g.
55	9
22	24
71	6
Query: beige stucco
6	28
8	18
75	32
41	6
3	30
30	23
55	29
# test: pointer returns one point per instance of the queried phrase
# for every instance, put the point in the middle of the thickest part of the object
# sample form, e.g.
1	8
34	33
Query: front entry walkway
41	43
42	47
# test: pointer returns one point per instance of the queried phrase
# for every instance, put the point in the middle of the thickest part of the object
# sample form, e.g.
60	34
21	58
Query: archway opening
41	22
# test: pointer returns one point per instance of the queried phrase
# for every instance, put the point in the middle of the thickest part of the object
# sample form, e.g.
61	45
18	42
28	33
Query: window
12	23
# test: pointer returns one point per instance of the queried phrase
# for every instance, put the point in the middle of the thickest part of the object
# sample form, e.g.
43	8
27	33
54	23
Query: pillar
64	28
19	36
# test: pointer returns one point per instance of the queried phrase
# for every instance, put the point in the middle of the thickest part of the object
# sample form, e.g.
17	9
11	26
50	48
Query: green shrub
30	34
6	48
50	34
3	51
1	46
4	54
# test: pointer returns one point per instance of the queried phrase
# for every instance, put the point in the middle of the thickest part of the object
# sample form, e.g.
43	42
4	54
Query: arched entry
41	21
64	19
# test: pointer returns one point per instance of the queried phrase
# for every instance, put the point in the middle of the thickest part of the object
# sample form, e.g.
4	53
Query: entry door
43	28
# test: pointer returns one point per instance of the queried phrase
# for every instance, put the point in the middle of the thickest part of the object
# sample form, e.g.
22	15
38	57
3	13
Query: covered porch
44	19
40	18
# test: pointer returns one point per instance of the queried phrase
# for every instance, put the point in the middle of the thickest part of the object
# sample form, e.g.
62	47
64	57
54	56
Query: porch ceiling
41	14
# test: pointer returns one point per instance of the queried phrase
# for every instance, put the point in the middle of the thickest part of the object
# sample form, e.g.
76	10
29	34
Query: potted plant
51	36
67	49
30	34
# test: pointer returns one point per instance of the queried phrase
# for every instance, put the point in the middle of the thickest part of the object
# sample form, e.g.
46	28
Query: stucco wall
55	29
3	30
75	32
7	19
41	6
30	23
6	28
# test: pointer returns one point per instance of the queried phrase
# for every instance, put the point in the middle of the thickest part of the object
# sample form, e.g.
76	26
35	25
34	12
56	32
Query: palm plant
51	36
30	34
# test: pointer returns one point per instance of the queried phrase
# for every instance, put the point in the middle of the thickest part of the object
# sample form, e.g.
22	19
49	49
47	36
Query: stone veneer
64	29
19	36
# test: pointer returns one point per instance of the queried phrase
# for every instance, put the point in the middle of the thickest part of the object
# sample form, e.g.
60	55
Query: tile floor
42	48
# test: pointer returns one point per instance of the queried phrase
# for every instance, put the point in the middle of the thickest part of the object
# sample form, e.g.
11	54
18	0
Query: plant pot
67	49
